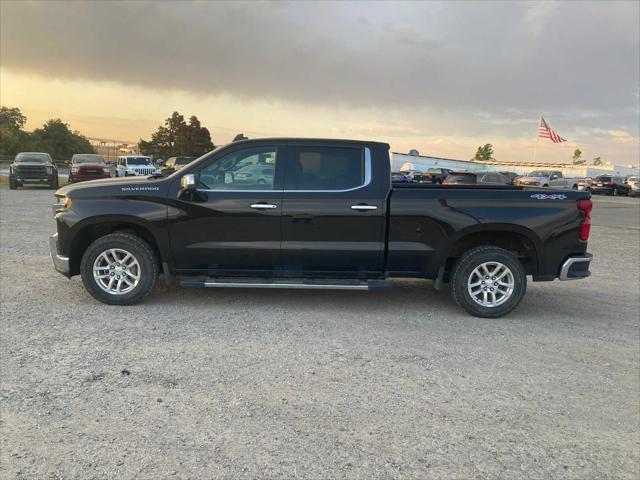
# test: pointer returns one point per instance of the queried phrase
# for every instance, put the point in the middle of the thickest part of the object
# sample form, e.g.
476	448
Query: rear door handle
263	206
363	207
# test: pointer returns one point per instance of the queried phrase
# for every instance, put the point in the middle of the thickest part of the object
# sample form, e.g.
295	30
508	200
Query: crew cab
548	178
135	165
321	214
35	168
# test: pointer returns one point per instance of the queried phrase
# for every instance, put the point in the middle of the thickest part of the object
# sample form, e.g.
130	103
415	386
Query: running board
286	283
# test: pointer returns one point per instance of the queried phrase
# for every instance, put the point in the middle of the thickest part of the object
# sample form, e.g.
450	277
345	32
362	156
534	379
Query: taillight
445	182
585	227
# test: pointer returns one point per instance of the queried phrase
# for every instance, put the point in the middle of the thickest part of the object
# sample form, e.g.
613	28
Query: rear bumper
576	267
60	263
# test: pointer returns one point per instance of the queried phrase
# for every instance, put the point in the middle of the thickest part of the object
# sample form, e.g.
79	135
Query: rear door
332	213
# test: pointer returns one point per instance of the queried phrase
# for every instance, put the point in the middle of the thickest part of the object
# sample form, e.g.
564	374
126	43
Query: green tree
60	142
12	135
597	161
577	157
484	153
177	138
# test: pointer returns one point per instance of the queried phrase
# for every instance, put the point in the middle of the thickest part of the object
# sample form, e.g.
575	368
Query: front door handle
263	206
363	207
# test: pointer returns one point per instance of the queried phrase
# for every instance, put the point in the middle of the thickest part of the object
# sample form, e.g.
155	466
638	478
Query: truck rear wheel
119	269
488	282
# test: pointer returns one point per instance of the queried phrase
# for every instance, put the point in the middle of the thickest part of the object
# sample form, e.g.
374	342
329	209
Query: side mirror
188	182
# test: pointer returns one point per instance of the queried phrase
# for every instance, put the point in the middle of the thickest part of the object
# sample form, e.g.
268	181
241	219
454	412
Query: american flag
545	132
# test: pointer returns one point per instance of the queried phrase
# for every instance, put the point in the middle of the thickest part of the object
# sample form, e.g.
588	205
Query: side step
286	283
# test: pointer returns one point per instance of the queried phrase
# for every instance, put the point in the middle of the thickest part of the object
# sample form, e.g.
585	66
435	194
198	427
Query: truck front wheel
488	282
119	269
13	183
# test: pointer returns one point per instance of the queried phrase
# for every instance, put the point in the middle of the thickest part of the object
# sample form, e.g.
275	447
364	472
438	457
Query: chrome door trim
367	182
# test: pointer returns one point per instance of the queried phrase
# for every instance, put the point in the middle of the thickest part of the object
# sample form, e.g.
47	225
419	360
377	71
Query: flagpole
535	148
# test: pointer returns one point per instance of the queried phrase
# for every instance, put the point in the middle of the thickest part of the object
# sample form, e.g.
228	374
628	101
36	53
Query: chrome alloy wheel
491	284
116	271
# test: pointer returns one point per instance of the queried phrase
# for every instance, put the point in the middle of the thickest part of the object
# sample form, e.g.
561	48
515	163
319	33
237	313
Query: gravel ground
198	383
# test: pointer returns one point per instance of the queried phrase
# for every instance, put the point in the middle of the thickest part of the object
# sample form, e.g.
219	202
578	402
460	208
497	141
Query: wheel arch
520	241
96	227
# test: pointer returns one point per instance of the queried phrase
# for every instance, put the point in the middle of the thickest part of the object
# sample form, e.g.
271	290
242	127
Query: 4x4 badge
553	196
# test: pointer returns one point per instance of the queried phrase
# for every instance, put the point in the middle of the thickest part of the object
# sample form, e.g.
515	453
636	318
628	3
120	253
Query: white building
404	162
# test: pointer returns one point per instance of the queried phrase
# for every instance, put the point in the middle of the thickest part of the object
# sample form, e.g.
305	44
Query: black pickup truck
302	213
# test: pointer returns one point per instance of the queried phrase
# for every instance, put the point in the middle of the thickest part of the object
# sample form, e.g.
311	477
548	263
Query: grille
31	170
145	171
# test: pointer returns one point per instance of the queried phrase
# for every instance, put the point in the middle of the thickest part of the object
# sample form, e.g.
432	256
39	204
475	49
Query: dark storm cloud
503	59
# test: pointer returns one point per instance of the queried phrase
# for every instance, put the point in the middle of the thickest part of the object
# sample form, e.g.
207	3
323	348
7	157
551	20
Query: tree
177	138
485	153
577	157
60	142
12	118
12	136
597	161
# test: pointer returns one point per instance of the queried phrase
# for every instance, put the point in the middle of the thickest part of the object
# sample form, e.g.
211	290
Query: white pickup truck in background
548	178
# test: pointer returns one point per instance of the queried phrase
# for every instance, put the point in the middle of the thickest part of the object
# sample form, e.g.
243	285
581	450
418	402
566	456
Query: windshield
138	161
603	179
32	158
540	173
87	158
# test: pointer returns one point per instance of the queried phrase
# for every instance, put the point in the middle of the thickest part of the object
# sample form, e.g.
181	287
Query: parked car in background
548	178
33	168
88	166
399	177
135	165
610	185
512	176
410	174
173	164
433	175
474	178
632	180
584	184
634	190
255	174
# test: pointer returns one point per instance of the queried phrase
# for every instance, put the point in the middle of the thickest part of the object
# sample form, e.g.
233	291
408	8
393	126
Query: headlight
63	202
106	169
49	170
75	169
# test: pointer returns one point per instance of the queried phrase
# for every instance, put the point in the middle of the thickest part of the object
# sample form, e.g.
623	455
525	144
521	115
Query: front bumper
576	267
32	178
83	177
60	263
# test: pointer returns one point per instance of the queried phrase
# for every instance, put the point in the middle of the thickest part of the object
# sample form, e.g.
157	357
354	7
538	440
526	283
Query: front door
231	223
332	214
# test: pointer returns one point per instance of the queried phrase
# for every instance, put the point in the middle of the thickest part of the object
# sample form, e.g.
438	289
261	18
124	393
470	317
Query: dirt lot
256	383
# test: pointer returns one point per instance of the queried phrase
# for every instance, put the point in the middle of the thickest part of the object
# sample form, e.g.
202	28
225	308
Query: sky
440	77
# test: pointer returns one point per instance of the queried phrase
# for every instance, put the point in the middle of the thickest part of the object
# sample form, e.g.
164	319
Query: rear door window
326	169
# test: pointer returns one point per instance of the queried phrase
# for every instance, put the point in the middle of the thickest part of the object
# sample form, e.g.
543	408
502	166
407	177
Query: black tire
545	185
54	183
463	269
13	183
149	267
